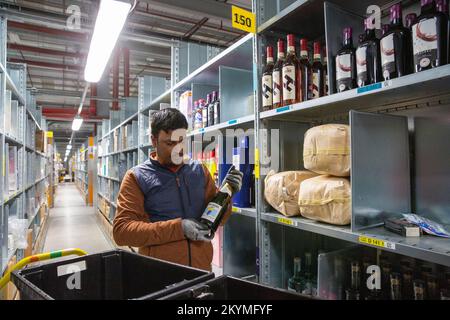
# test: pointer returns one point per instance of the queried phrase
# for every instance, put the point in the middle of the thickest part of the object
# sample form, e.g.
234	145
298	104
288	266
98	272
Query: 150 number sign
243	19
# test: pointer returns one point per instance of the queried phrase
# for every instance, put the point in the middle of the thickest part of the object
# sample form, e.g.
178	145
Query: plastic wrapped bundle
281	190
326	199
326	150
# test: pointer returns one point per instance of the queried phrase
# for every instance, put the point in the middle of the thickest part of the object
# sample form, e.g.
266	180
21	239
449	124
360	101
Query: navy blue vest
169	195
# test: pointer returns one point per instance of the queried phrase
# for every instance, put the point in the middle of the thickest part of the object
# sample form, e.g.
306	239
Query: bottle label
315	85
425	43
289	85
216	113
198	120
343	72
267	91
205	116
387	56
277	87
212	212
361	65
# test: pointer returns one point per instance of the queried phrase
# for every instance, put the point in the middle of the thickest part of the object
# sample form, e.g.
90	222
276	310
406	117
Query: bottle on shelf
442	7
297	282
384	29
346	63
386	269
198	114
211	121
326	87
205	111
353	293
304	73
395	287
290	74
432	288
277	90
368	60
308	275
267	83
419	290
410	19
318	81
194	114
407	281
217	109
396	47
429	36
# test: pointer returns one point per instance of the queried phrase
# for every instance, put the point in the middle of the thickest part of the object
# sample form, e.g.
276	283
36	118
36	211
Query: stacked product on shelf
201	113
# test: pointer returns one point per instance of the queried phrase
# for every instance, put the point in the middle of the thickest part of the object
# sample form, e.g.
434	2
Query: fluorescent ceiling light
110	20
69	147
76	124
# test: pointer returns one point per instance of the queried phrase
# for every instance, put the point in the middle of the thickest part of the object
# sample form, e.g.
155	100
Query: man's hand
234	179
194	230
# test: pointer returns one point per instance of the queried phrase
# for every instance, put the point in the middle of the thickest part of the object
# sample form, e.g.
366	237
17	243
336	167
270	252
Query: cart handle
39	257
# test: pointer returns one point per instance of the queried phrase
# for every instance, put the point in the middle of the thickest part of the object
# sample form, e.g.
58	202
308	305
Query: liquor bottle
267	83
326	88
205	114
290	74
304	71
353	293
419	290
199	114
277	90
386	269
396	47
396	290
410	20
194	115
308	275
216	208
211	120
346	63
368	61
442	7
318	87
432	288
429	36
384	29
297	282
217	109
408	290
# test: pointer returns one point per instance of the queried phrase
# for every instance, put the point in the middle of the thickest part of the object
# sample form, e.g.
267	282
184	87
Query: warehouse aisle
72	224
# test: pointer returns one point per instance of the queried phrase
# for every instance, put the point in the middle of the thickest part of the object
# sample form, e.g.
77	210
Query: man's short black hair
167	120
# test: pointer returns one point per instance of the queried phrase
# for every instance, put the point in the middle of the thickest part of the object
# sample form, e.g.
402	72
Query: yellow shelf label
49	134
234	209
377	242
243	19
257	169
286	221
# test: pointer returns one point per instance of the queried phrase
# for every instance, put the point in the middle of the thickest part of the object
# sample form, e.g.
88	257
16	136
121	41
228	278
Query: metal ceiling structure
40	35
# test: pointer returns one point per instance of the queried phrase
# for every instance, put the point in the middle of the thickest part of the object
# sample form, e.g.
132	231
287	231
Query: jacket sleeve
211	191
132	226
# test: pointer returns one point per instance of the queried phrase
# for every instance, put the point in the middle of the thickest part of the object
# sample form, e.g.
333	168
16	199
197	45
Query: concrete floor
72	224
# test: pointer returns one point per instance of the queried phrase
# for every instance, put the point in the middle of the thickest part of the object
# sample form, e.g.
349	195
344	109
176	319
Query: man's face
170	146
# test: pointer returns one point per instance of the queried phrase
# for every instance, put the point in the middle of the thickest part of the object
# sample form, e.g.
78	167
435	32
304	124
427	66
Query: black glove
195	230
234	179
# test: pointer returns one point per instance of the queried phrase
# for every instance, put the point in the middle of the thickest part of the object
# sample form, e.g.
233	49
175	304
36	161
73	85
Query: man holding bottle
161	201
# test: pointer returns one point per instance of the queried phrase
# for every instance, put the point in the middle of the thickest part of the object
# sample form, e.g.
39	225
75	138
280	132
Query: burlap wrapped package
326	150
326	199
281	190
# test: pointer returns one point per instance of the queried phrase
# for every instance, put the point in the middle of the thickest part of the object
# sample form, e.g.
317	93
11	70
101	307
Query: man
161	200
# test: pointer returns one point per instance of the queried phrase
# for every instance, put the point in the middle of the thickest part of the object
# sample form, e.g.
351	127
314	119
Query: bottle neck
397	22
281	55
269	60
297	267
369	34
291	50
348	42
226	188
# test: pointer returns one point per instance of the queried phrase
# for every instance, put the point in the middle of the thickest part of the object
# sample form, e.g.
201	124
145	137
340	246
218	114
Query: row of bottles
291	79
206	113
420	45
210	161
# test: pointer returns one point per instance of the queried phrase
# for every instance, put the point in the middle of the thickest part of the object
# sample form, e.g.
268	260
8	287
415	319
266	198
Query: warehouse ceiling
40	34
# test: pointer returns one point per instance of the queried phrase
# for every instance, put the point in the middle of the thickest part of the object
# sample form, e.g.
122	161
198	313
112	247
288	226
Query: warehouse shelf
35	183
224	125
434	249
433	82
248	212
81	170
128	120
235	56
12	196
13	140
11	85
118	152
107	199
109	178
165	97
35	214
34	119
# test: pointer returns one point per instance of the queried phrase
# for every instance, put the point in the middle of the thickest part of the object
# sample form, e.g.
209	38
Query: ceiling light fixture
110	20
77	122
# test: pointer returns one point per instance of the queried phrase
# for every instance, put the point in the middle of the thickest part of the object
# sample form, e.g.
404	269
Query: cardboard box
29	250
40	140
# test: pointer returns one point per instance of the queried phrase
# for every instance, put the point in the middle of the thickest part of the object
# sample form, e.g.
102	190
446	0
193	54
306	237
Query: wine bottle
266	85
419	290
308	275
326	87
432	288
205	114
217	109
277	90
346	63
407	288
304	73
396	47
442	7
384	29
211	120
296	283
429	36
410	20
216	208
290	74
194	115
396	291
317	73
353	293
199	114
368	61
